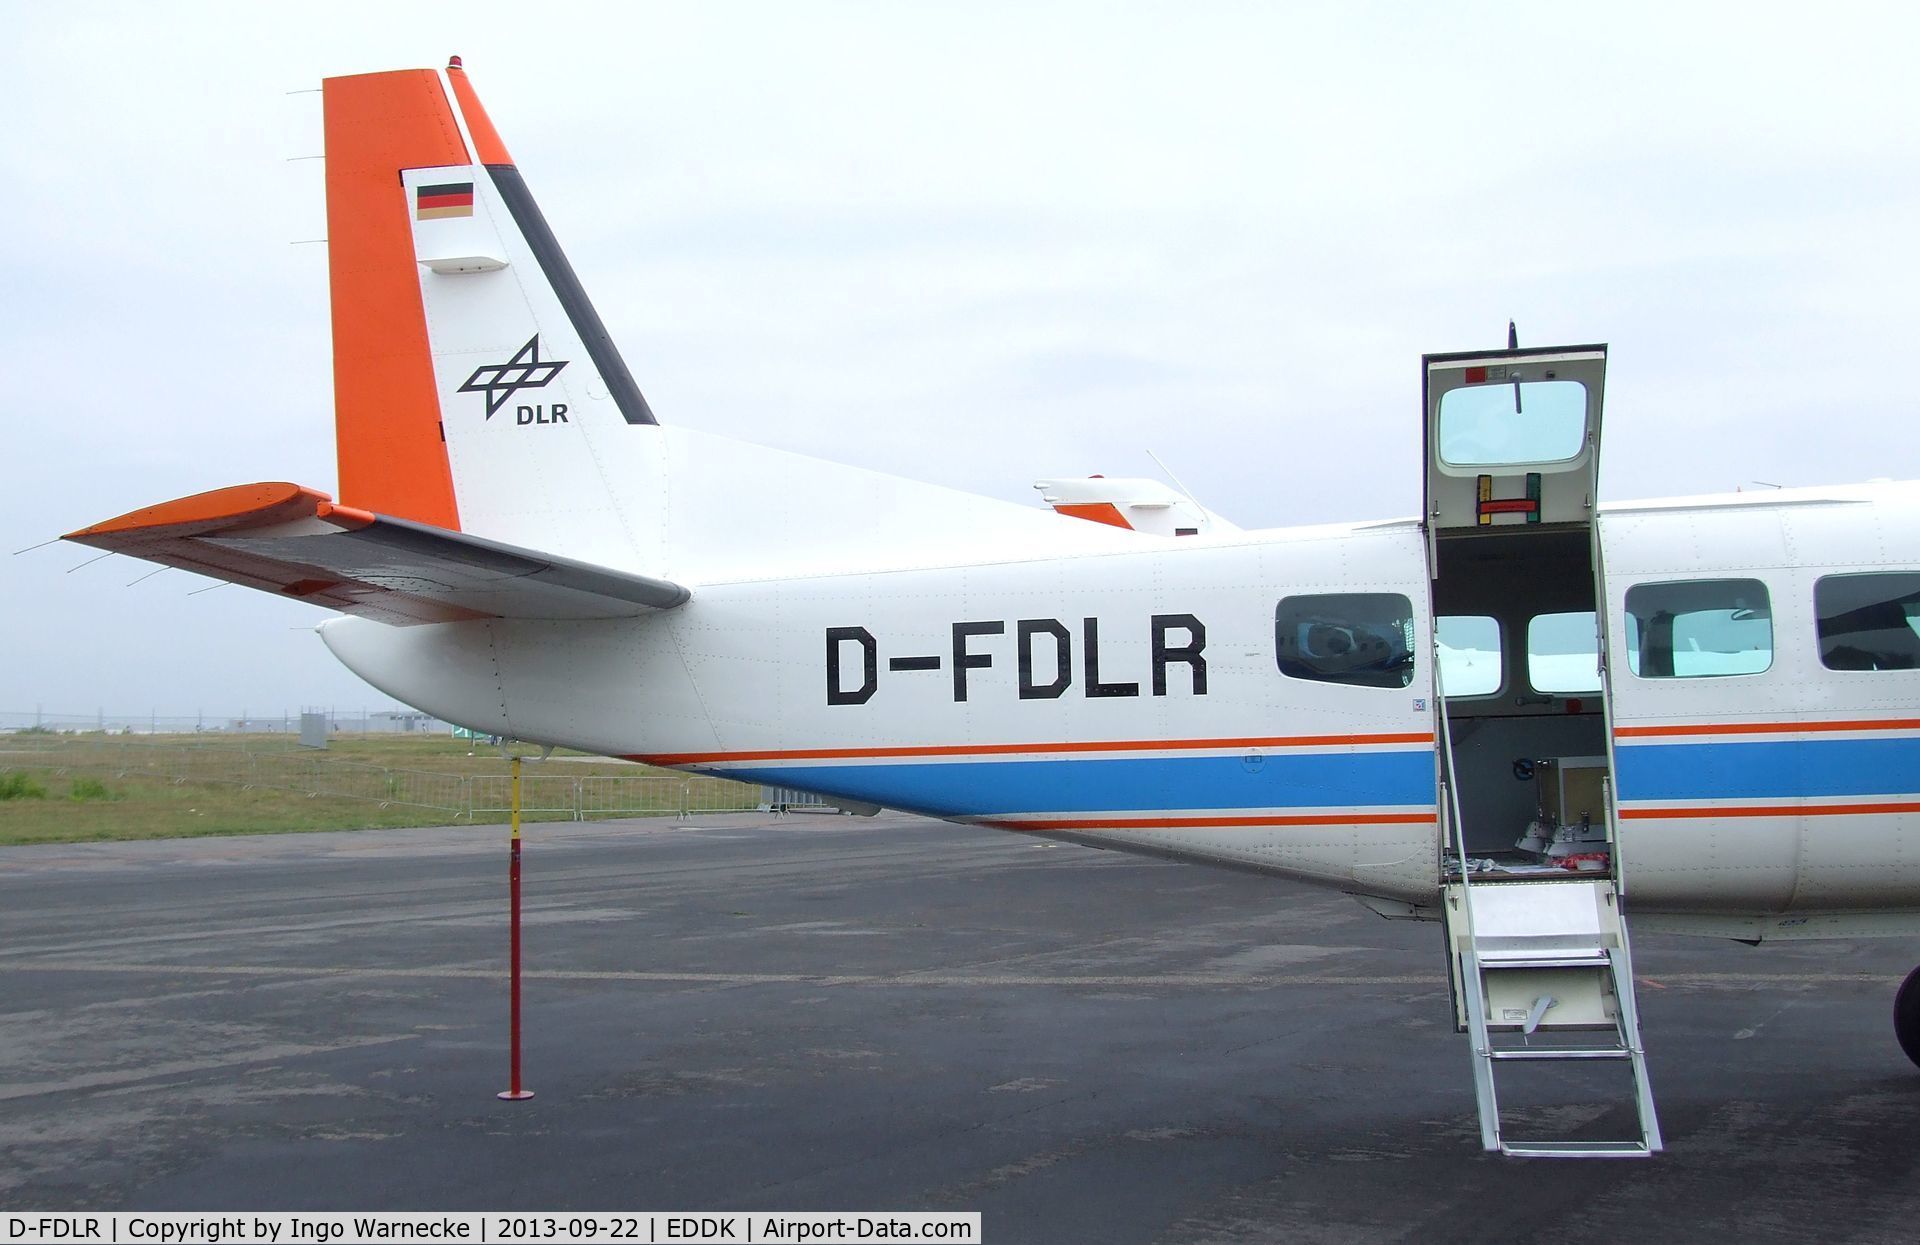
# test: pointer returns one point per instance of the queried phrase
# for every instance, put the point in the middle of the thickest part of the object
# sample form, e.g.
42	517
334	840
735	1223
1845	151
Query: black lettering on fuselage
1190	652
1044	657
1024	631
964	661
837	692
1095	688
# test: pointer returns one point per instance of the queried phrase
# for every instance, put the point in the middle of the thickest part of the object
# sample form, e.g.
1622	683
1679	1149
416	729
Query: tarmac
832	1013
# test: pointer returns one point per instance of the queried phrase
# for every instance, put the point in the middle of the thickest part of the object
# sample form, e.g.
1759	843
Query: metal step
1578	1150
1560	1052
1501	959
1571	936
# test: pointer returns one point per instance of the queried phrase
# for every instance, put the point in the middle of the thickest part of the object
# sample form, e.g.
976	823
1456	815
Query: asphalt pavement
831	1013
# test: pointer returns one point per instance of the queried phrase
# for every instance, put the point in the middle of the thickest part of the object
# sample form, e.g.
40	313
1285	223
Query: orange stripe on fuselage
1772	810
1203	823
1765	728
1112	745
385	399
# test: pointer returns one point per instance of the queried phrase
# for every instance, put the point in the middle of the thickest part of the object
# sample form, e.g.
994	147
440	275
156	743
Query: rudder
392	456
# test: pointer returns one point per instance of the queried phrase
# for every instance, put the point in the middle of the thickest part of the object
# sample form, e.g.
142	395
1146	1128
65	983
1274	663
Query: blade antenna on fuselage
1513	343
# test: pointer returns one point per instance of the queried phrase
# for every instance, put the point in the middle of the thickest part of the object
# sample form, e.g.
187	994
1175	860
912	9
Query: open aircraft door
1512	437
1512	440
1538	953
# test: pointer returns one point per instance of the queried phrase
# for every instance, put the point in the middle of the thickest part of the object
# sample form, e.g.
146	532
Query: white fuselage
1794	788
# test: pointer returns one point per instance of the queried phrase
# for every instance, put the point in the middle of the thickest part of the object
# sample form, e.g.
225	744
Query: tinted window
1469	654
1360	638
1699	629
1537	421
1869	622
1563	652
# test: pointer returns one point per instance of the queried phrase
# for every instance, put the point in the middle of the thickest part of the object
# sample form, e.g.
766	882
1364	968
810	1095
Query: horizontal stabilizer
296	542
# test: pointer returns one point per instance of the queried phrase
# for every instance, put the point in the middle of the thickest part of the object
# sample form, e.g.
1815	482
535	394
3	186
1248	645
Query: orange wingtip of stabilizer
1095	512
240	505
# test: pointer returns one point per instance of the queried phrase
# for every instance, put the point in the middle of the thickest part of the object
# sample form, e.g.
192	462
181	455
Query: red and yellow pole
514	1092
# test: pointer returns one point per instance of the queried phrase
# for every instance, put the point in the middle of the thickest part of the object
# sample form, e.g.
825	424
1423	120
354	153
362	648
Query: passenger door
1512	437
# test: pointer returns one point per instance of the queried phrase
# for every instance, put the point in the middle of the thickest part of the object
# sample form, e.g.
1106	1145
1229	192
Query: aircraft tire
1906	1016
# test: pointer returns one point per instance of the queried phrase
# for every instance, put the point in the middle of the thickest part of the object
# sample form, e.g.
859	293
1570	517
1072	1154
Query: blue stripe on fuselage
1101	785
1768	769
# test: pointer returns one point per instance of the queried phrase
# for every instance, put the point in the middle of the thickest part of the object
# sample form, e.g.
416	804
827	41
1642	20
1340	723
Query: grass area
117	787
438	753
148	808
435	753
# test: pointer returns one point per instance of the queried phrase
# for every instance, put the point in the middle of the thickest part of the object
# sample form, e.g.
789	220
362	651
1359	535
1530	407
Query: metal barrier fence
395	721
610	795
462	796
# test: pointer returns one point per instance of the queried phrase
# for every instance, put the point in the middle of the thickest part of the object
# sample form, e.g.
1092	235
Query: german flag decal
448	199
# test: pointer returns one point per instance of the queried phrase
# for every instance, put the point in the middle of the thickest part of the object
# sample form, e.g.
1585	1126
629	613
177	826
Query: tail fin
496	458
478	389
472	375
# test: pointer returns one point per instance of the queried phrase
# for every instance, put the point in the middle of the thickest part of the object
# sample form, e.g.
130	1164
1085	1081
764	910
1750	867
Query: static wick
149	575
90	561
42	545
209	588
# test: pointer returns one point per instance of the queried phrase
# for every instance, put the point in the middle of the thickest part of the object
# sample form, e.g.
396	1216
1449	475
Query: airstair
1536	943
1542	972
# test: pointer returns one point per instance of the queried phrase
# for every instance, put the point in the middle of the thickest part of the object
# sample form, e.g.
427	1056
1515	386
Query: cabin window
1513	423
1869	622
1700	628
1470	654
1563	652
1363	639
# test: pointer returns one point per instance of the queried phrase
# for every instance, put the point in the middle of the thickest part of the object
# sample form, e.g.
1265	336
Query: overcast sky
972	243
